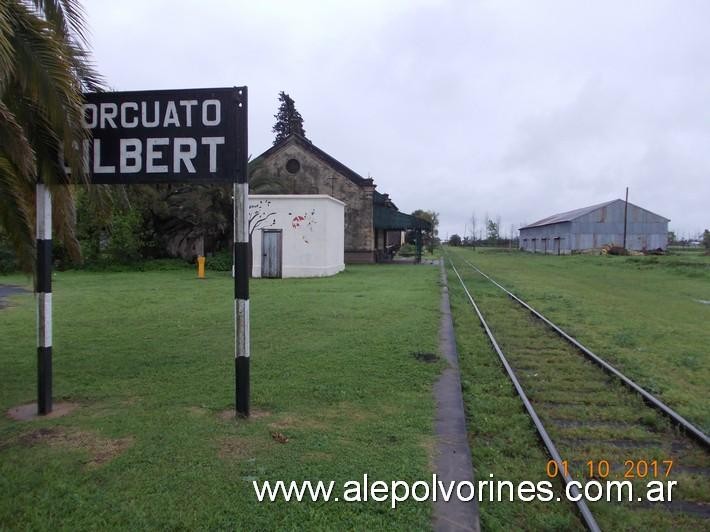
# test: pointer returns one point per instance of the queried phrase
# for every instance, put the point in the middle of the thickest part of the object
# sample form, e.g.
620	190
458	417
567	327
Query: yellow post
201	267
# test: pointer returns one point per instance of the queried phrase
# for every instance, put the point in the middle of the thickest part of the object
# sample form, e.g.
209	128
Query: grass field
598	299
148	359
649	316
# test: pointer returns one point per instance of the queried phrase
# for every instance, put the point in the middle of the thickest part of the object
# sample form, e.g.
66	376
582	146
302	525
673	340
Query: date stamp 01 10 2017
632	469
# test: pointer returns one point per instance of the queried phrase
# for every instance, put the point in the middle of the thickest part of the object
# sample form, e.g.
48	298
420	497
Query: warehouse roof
578	213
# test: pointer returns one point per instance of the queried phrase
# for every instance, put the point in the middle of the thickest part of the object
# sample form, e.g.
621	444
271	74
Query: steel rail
584	510
650	399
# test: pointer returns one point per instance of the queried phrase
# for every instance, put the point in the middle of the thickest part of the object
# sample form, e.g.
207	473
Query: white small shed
296	235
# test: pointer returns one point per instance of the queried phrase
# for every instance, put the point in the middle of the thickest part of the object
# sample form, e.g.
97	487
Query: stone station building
373	224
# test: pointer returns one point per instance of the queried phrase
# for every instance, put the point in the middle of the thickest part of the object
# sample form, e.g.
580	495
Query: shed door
271	253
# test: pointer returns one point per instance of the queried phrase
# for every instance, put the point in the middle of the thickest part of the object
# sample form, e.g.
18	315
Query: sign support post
241	295
150	137
43	289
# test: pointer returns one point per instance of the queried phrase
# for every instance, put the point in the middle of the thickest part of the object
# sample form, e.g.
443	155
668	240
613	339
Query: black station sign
166	136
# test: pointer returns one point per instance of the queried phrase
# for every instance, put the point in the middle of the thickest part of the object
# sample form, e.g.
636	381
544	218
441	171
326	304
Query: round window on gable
293	166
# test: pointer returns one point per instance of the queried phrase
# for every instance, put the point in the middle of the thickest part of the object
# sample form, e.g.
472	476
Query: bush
220	261
125	243
8	263
407	250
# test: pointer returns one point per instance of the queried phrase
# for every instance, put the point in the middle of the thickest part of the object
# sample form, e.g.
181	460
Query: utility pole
626	208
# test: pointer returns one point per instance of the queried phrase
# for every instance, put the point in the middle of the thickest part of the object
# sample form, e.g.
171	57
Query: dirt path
453	457
9	290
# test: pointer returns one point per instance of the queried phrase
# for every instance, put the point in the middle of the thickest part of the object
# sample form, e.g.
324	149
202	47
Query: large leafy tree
429	238
44	68
175	213
430	216
288	119
492	230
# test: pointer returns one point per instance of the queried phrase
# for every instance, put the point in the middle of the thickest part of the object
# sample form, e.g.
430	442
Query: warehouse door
271	253
557	245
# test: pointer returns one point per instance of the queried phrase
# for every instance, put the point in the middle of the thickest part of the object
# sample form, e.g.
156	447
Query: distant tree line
456	240
488	233
697	240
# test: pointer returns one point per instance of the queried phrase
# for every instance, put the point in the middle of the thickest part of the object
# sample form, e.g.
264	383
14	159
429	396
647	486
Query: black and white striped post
241	294
43	289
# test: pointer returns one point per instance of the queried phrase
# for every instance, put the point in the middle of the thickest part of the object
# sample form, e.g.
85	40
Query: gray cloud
516	108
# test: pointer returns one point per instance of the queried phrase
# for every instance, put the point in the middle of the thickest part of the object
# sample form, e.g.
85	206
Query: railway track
595	422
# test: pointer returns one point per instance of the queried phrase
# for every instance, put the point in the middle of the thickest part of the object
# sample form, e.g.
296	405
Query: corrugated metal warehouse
595	226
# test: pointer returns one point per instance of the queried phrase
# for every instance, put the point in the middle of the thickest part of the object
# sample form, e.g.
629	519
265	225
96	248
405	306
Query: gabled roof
578	213
386	215
320	154
569	215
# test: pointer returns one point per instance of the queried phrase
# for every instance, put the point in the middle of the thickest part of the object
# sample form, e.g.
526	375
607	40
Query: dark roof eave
393	220
535	226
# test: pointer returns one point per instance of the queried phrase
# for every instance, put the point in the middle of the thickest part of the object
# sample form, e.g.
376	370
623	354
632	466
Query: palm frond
64	219
7	59
66	16
15	144
17	212
44	68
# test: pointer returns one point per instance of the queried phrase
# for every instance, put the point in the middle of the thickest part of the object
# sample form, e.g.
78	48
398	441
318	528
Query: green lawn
148	358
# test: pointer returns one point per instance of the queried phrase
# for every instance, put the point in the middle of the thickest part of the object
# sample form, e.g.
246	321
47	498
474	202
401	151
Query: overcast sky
518	109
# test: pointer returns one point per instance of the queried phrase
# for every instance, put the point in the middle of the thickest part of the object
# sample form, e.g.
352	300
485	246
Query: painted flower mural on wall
303	223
